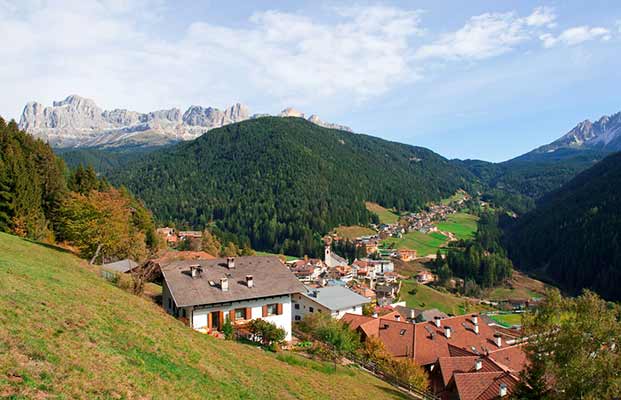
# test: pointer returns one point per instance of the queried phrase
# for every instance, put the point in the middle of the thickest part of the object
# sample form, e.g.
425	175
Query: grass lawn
424	244
354	231
265	253
385	215
507	320
66	333
427	297
462	225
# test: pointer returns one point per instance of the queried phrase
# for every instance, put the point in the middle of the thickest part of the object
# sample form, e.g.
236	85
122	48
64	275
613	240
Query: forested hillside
279	183
40	199
516	184
574	233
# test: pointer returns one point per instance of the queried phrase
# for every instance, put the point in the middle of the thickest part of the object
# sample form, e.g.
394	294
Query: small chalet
335	301
208	292
424	277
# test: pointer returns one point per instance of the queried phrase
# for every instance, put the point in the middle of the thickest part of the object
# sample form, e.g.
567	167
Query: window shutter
232	316
209	323
279	309
221	318
265	310
248	313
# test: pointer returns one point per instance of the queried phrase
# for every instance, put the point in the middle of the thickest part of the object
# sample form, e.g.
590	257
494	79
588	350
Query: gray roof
120	266
336	297
271	278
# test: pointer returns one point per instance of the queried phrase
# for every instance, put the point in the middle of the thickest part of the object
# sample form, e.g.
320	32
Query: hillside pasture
462	225
353	232
424	244
385	215
426	297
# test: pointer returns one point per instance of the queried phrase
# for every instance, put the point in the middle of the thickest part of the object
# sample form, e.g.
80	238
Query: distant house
109	270
209	292
168	234
307	270
406	254
183	235
424	277
335	301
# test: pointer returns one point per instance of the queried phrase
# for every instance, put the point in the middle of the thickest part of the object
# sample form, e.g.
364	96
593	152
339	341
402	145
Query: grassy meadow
462	225
66	333
428	297
353	232
385	215
424	244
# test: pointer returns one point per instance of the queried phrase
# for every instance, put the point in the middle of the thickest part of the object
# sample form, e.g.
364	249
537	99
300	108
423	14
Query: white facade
303	305
199	316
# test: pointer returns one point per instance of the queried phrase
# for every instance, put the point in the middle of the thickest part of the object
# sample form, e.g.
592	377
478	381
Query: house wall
200	314
305	304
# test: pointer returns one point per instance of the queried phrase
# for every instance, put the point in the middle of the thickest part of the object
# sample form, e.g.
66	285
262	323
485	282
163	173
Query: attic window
402	332
212	283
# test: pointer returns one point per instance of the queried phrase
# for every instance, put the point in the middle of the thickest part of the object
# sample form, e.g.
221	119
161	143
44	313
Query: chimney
397	317
475	319
374	315
249	281
502	390
224	284
230	262
498	339
476	328
447	332
412	314
195	271
478	364
437	321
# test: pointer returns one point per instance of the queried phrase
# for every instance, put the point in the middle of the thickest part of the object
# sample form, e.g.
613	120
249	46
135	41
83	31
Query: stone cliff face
79	122
603	134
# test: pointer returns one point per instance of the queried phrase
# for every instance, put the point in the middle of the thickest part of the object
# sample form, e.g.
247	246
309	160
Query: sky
487	79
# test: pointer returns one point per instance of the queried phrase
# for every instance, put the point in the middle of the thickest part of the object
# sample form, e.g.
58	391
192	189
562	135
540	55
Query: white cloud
576	35
105	50
488	35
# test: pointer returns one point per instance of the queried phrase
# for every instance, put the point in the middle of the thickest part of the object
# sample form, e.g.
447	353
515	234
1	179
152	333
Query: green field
424	244
353	232
459	195
462	225
66	333
427	297
265	253
385	216
507	320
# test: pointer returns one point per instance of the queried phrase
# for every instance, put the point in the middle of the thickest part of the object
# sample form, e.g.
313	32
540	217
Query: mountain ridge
78	122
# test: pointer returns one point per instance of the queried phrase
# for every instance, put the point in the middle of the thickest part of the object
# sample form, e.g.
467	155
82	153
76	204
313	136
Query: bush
267	332
228	330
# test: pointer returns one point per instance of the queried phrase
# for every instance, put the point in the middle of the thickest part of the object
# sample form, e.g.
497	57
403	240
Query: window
272	309
297	318
296	306
169	303
353	308
311	309
402	332
240	313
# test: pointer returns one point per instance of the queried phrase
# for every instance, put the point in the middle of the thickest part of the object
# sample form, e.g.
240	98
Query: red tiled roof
453	365
512	358
483	385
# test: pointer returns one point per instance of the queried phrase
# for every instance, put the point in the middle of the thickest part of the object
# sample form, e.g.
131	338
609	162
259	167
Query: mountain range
77	122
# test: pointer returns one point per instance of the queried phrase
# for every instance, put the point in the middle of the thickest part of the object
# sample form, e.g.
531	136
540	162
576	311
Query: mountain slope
603	134
573	234
66	333
79	122
280	182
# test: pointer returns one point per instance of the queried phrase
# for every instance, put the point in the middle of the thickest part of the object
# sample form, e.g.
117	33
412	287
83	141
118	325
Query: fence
393	380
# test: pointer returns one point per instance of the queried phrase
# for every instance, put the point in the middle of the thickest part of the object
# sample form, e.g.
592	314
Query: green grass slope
66	333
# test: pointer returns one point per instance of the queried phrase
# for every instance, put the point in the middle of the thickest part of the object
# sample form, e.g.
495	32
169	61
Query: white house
333	300
208	292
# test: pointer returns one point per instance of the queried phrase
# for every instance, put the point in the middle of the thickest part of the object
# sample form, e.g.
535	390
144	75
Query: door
215	320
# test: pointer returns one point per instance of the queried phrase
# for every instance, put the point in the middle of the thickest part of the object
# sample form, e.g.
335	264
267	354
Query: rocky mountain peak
78	122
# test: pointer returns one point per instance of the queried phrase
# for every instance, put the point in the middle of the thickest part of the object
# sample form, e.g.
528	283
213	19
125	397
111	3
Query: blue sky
489	80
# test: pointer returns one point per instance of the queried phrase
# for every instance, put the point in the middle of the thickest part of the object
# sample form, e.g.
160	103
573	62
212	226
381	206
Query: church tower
327	251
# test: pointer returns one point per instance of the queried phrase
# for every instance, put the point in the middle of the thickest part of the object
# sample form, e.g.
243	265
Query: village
215	296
